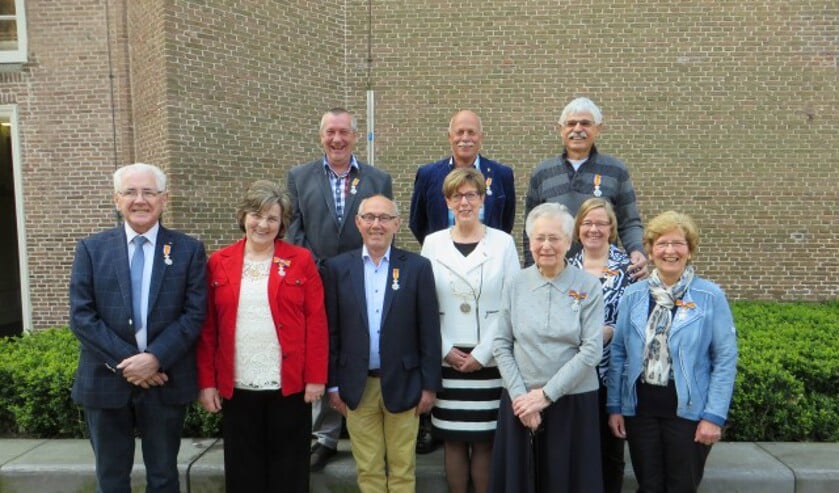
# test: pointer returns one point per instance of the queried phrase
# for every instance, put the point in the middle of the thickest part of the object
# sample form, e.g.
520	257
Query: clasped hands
528	408
143	370
462	361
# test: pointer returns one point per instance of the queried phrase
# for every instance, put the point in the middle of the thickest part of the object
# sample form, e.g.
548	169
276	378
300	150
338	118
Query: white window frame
9	113
20	54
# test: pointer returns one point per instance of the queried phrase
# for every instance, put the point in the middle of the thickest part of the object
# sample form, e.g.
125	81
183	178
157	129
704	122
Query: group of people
533	378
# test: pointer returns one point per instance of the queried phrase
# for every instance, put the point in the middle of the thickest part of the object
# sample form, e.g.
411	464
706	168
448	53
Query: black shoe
426	443
320	456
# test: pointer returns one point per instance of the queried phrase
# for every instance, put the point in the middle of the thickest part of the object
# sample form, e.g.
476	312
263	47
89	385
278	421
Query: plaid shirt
340	185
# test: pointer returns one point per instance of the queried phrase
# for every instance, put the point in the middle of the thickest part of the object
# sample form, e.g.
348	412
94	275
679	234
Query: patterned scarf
657	359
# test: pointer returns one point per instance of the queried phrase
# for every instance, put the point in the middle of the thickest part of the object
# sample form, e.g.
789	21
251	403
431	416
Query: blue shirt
375	284
141	334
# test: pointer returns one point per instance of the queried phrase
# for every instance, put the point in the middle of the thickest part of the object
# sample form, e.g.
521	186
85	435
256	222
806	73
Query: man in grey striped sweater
581	172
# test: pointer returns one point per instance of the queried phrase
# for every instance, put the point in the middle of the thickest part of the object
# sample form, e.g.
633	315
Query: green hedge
787	386
36	372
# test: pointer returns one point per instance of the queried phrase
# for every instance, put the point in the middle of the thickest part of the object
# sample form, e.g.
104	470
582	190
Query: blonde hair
597	203
667	222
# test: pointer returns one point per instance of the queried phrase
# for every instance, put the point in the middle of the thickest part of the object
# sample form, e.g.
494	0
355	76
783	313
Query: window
12	31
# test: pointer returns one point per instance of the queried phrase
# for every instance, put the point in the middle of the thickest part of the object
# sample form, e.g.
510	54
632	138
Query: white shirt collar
150	235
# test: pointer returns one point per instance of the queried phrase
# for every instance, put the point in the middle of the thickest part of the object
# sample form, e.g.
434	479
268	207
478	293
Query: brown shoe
320	456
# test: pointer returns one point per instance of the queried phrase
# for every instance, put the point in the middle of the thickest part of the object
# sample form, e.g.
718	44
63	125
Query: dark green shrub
37	374
201	424
787	386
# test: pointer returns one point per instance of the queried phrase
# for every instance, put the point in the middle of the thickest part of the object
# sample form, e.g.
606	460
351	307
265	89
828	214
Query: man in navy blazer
325	194
428	206
384	348
137	331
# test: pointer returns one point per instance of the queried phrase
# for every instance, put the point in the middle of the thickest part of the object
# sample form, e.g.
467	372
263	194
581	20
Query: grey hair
364	202
581	105
554	211
159	175
338	112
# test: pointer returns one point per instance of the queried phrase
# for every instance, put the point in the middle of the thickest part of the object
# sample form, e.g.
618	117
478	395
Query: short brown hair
667	222
262	194
597	203
463	176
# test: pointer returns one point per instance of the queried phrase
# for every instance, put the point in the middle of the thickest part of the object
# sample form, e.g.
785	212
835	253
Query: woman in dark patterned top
596	229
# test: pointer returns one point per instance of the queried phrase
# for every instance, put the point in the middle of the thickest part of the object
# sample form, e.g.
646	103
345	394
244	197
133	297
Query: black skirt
563	456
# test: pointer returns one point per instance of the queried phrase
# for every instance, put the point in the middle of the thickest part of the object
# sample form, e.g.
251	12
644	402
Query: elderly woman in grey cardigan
547	346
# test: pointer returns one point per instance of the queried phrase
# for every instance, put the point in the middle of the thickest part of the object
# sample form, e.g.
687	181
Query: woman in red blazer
263	350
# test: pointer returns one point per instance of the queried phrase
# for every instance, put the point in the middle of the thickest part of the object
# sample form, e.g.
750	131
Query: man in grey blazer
138	296
325	194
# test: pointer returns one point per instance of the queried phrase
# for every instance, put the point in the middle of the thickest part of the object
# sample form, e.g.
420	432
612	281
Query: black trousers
664	456
611	451
266	442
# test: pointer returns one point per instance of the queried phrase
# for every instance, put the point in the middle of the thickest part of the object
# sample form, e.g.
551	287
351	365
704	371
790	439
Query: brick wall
248	82
67	140
724	110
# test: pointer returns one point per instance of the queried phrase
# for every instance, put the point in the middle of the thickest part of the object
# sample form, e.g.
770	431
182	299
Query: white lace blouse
258	356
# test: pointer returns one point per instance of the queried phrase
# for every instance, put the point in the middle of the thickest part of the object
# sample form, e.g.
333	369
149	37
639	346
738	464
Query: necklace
256	270
468	294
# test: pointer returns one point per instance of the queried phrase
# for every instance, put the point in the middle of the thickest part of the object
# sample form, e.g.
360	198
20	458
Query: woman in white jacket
472	263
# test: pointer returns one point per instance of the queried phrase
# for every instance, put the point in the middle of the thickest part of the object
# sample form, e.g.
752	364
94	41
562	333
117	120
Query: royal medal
282	264
395	285
354	186
575	305
488	185
683	308
597	192
167	249
465	307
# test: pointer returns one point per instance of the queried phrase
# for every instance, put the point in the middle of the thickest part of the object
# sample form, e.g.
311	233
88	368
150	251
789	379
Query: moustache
582	134
466	144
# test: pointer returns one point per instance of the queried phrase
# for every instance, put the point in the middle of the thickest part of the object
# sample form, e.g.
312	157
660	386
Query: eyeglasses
676	245
470	196
551	240
574	123
383	218
147	194
595	224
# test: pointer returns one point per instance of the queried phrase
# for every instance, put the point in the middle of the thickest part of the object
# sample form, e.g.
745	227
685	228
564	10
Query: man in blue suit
384	348
138	297
428	206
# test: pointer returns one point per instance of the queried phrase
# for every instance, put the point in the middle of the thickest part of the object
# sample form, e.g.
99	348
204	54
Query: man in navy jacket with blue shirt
428	205
384	348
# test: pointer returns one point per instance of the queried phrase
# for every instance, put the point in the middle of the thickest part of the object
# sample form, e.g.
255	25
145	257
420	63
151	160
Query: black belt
377	373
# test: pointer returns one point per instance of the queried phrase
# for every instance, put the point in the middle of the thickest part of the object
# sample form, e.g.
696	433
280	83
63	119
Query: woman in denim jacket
674	358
